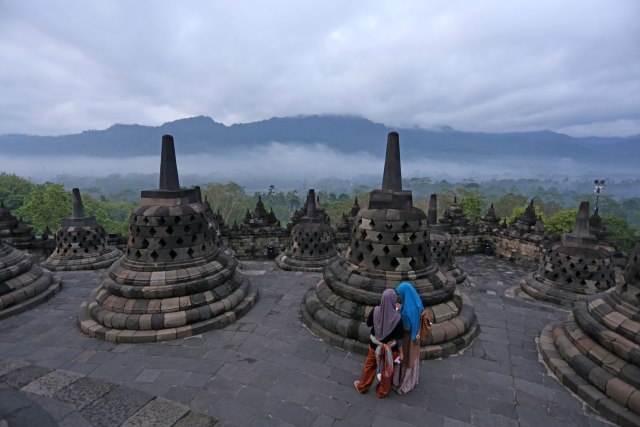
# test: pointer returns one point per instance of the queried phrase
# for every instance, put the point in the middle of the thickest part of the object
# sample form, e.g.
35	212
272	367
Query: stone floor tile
83	392
157	413
49	384
115	407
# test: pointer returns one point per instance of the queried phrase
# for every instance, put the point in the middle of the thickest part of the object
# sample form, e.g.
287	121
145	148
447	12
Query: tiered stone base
336	309
22	284
595	353
145	306
289	263
84	261
545	290
454	328
568	274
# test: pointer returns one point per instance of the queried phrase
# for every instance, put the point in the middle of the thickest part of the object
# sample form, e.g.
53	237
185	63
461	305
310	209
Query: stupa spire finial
432	213
76	204
581	227
392	177
311	203
168	167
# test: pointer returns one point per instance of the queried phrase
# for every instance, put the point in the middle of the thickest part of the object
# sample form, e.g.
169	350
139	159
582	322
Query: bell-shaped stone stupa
595	352
312	245
389	244
81	243
574	268
442	242
174	280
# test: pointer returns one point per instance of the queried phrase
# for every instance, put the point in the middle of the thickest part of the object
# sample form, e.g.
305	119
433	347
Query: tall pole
598	187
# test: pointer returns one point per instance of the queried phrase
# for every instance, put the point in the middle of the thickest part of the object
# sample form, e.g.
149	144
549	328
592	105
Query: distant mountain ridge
348	134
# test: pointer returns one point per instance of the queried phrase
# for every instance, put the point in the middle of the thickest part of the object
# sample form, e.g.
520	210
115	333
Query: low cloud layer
493	66
289	166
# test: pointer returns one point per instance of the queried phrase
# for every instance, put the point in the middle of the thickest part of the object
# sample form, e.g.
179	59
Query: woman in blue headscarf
411	312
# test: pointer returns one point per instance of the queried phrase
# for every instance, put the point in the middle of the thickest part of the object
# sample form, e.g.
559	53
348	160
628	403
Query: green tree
230	199
620	232
515	212
112	215
45	206
632	211
445	199
14	189
505	205
471	203
560	223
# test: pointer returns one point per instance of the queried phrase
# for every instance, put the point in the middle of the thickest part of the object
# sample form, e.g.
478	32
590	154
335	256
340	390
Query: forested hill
341	133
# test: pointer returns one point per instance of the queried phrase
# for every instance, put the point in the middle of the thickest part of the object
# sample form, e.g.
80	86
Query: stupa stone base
442	248
567	275
563	345
545	290
92	261
32	297
454	328
153	306
312	265
23	285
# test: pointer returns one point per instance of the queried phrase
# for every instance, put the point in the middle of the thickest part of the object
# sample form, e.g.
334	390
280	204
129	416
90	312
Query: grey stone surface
115	407
261	369
83	392
194	419
18	410
24	376
49	384
158	412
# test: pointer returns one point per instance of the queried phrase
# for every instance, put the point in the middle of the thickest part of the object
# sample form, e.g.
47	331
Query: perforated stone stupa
174	280
23	284
526	222
312	245
574	268
595	352
442	244
260	218
490	218
303	211
454	216
81	243
389	244
344	226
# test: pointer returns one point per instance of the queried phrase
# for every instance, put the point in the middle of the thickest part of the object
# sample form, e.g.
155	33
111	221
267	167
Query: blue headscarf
411	308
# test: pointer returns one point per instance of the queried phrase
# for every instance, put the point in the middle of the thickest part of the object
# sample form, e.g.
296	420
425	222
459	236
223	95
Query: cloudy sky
568	66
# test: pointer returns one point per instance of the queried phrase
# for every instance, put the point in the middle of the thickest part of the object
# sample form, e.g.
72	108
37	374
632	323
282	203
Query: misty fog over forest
289	166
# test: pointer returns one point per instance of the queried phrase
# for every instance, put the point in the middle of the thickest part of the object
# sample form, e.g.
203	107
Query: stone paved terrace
267	369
